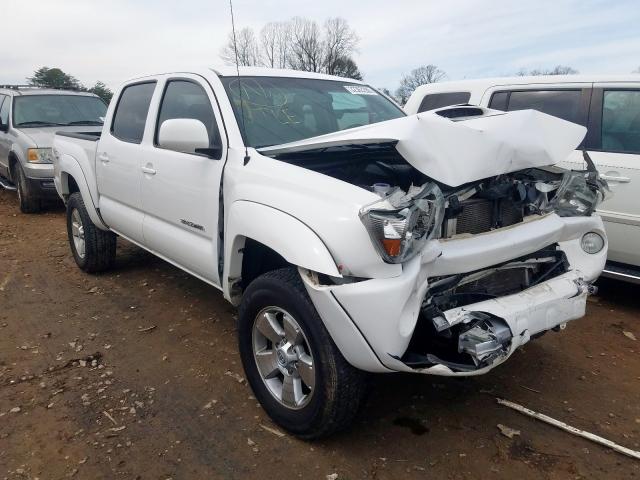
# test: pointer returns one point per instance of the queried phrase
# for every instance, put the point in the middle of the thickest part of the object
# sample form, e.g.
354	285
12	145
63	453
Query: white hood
455	152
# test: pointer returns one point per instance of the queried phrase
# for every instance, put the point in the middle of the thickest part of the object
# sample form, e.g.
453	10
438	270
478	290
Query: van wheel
293	366
94	250
29	202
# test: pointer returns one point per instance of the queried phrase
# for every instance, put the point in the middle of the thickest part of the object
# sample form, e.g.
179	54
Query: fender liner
295	241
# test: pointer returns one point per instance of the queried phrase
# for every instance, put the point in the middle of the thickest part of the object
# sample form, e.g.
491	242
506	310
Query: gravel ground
135	374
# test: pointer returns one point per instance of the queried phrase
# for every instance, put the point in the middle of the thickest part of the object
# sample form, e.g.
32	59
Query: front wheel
293	366
94	250
28	199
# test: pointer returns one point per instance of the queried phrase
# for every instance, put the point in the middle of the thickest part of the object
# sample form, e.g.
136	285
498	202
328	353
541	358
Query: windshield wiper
39	122
85	122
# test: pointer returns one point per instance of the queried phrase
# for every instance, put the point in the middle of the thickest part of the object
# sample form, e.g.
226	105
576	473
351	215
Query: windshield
54	110
280	110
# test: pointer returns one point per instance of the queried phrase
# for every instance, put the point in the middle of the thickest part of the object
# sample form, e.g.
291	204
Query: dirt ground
135	374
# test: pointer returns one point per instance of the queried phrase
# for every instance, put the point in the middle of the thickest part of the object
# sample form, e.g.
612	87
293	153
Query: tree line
46	77
299	44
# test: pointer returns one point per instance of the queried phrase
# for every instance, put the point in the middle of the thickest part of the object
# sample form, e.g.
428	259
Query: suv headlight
40	155
579	194
401	223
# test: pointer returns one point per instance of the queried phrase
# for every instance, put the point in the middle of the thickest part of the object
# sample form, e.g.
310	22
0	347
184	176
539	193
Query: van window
563	104
187	99
621	121
131	112
439	100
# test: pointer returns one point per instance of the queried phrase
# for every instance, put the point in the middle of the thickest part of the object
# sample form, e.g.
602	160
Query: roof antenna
235	49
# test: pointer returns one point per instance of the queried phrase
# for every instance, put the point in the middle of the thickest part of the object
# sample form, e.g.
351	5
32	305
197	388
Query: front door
118	161
613	143
180	189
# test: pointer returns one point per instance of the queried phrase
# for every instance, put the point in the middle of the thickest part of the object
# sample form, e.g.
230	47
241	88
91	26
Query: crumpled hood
43	136
455	152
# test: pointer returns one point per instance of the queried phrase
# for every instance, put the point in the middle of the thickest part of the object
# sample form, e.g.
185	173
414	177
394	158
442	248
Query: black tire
99	246
28	199
340	388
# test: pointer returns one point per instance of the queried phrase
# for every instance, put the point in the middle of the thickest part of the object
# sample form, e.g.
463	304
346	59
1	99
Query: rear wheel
29	201
293	366
94	250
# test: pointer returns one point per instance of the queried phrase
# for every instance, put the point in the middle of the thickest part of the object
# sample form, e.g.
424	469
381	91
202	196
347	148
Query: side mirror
183	135
4	127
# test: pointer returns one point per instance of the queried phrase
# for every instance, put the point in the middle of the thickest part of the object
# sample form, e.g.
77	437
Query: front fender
283	233
67	166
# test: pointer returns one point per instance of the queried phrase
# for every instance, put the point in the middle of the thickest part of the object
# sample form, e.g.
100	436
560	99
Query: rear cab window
439	100
131	112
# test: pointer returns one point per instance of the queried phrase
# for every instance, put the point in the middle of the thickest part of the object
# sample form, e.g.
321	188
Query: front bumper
372	321
40	178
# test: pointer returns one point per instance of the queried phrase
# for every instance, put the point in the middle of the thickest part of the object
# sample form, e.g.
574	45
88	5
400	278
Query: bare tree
340	42
557	70
637	70
418	76
307	46
275	38
299	44
248	54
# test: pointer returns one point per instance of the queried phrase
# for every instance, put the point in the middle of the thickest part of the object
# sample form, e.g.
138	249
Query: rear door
613	142
180	190
118	160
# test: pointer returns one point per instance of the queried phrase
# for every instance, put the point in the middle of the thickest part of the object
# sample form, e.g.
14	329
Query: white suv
608	106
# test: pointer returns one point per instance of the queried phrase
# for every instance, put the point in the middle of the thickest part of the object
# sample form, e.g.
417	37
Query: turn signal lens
39	155
392	246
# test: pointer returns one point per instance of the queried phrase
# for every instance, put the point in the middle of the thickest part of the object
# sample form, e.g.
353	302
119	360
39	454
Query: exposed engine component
488	338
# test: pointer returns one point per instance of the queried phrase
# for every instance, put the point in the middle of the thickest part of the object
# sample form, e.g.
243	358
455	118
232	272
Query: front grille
480	215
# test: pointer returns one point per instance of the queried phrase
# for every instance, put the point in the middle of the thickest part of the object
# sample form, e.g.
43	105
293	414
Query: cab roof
230	71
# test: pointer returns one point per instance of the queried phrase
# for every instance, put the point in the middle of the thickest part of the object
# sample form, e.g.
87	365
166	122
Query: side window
439	100
186	99
563	104
499	101
621	121
5	101
131	112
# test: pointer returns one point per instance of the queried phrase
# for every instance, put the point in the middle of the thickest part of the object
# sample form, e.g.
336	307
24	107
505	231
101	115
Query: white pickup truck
354	238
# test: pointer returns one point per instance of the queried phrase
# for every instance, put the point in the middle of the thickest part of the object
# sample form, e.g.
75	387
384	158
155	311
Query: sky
113	40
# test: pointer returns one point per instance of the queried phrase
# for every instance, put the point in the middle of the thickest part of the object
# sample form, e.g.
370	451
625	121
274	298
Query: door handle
103	157
148	170
615	178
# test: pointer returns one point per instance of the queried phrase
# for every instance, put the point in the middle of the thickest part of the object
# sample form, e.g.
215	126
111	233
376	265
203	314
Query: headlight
592	242
39	155
401	224
578	195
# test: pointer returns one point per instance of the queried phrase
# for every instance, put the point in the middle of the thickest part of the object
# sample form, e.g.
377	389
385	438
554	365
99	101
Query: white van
608	106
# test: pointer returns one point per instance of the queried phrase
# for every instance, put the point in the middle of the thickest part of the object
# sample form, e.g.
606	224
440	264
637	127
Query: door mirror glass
186	135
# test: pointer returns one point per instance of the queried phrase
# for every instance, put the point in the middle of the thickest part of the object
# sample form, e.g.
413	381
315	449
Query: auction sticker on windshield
360	90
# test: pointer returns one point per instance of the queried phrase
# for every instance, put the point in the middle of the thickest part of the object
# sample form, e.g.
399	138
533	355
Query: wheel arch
258	233
70	178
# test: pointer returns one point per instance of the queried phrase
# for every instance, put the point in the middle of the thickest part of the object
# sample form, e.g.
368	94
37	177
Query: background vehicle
29	118
609	106
353	237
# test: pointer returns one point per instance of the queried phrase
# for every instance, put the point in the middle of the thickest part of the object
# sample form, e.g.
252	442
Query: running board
619	271
7	185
